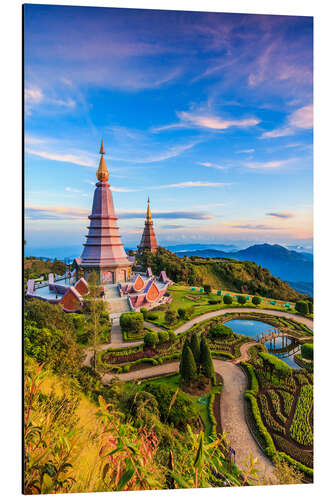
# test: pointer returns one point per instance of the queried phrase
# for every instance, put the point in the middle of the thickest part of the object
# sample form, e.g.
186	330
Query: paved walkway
212	314
232	409
234	384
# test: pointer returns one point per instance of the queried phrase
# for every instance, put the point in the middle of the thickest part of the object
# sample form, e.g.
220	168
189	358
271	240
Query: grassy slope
86	454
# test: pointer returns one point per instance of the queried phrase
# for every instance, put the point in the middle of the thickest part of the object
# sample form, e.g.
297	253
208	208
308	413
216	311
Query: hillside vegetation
228	274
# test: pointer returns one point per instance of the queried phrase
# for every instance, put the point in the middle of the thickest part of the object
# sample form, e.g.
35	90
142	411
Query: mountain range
288	265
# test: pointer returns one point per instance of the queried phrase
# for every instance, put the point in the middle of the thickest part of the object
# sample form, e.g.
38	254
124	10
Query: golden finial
148	218
102	173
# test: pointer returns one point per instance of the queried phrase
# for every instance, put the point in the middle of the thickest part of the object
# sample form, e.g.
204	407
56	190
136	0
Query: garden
279	408
189	302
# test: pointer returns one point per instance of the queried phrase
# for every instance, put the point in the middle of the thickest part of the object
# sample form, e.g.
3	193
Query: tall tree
206	360
195	348
188	371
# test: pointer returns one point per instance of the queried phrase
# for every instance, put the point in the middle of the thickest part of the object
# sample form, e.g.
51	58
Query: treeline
228	274
35	267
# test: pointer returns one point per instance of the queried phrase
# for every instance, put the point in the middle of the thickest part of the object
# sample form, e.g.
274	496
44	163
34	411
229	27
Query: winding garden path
232	408
234	383
212	314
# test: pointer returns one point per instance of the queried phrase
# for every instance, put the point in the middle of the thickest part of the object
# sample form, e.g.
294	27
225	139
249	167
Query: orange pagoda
148	240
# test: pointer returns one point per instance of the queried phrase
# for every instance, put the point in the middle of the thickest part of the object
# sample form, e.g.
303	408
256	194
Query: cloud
302	118
211	165
255	227
166	215
55	213
207	121
245	151
268	164
172	226
70	213
215	122
66	158
280	215
171	152
122	190
192	184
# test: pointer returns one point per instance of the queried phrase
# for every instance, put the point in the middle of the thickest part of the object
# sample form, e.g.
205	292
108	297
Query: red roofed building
148	240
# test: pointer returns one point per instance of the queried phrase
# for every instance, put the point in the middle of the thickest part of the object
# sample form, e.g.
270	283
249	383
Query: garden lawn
179	300
201	409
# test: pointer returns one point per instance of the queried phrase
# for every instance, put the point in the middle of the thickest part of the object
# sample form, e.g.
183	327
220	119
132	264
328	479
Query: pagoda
148	240
103	251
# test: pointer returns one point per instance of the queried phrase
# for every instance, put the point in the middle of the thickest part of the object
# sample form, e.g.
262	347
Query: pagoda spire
148	239
148	217
102	173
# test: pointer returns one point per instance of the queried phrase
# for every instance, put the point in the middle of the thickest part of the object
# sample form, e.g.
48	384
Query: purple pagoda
103	251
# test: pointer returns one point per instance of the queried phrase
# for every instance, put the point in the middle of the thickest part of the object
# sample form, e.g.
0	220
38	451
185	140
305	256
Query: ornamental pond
251	329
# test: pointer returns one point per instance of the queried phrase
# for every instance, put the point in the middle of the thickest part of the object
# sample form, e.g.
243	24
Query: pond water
251	329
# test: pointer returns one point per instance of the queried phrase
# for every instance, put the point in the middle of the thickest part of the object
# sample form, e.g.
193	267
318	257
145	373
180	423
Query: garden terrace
280	412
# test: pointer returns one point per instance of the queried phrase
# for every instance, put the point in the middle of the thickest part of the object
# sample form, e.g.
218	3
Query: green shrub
214	301
181	412
220	331
227	299
132	322
163	336
302	307
310	307
207	288
151	339
141	401
170	317
144	311
152	316
188	367
256	300
307	351
172	336
182	313
241	299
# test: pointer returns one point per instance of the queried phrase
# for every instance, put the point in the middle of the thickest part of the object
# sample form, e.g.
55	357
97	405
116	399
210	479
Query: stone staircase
111	292
117	306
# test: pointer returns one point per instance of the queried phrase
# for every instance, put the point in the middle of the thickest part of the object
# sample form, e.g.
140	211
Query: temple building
148	240
103	251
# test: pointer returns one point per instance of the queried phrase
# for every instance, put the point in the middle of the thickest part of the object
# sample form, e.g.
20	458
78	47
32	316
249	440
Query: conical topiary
186	344
195	347
206	361
188	370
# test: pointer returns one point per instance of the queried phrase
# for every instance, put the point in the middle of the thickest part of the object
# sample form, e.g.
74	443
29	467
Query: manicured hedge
270	449
307	351
254	384
211	415
280	367
225	354
303	468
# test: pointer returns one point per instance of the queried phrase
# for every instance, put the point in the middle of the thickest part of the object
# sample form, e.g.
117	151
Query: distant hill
225	274
286	264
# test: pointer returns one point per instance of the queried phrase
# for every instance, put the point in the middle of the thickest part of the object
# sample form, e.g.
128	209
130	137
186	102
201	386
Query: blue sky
209	114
